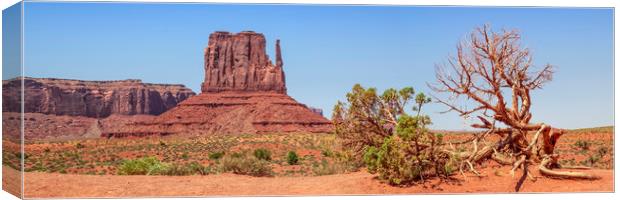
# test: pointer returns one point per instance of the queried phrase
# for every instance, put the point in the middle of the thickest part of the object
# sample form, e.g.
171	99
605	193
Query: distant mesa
65	109
98	99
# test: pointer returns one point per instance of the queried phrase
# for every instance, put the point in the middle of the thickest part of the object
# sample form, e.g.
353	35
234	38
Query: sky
327	49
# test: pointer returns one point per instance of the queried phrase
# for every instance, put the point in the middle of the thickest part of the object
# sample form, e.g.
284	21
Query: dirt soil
68	185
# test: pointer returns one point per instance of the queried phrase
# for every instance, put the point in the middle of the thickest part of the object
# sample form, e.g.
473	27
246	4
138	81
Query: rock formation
43	127
316	110
243	92
98	99
238	62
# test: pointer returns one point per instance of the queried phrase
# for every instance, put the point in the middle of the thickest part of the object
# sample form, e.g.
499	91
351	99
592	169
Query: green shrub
591	160
324	168
292	158
142	166
177	170
185	156
199	169
371	159
602	151
216	155
327	152
237	155
246	166
582	145
262	154
411	154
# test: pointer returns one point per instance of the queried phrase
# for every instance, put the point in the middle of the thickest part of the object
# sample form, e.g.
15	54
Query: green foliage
246	166
367	118
237	155
142	166
596	157
199	169
591	160
371	159
582	145
292	158
152	166
185	156
327	152
262	154
216	155
602	151
396	146
193	168
324	168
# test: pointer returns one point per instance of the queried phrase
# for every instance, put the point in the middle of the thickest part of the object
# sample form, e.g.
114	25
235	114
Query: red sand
40	185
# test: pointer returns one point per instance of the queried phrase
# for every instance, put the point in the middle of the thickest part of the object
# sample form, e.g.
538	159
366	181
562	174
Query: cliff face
239	62
92	98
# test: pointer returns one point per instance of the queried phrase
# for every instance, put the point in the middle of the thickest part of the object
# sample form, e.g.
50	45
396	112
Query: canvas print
117	100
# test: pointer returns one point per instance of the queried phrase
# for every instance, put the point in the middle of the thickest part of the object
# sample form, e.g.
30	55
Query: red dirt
66	185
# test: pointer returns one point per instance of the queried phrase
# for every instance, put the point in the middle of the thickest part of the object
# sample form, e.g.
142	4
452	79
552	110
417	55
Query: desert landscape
243	135
89	168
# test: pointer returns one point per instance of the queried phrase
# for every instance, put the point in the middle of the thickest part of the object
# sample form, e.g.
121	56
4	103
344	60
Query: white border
518	3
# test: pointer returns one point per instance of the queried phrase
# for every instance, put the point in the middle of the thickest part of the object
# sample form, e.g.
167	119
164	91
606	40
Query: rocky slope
98	99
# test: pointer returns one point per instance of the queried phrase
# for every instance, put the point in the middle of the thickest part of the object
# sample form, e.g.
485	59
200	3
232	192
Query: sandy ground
11	181
40	185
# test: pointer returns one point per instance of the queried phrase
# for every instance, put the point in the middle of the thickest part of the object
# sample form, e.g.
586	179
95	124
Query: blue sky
326	49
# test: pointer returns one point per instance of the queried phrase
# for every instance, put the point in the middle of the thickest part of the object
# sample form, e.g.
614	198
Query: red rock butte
243	92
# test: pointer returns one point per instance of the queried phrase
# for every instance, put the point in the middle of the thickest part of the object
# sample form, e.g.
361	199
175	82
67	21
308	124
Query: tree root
563	174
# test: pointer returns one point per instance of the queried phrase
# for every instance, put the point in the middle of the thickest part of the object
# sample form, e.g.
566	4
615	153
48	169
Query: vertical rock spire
239	62
278	55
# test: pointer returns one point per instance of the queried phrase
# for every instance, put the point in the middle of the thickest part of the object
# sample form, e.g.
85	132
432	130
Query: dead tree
495	74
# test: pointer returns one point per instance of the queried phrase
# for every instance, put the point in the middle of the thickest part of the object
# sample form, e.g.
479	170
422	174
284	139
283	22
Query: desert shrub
395	145
327	152
409	155
142	166
246	166
582	145
177	170
152	166
292	158
185	156
262	154
199	169
216	155
325	168
602	151
591	160
596	157
237	154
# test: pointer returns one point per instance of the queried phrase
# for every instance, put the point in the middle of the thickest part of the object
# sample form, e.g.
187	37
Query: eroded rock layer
98	99
42	127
